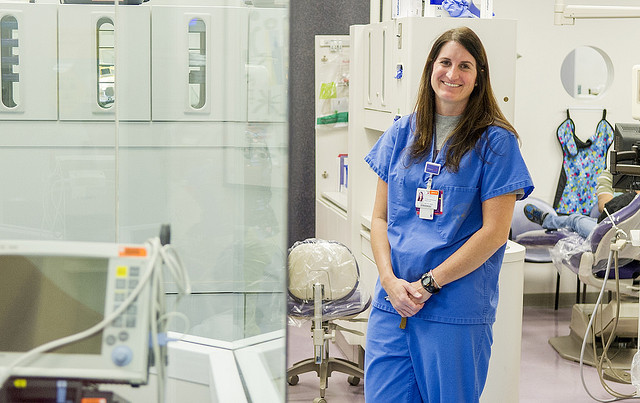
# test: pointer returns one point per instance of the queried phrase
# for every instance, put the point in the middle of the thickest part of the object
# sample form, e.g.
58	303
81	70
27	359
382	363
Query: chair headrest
326	262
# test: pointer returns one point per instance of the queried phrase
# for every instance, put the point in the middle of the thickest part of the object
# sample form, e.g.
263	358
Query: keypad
130	278
127	279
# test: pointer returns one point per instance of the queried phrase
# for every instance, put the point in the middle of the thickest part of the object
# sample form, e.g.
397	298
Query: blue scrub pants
425	362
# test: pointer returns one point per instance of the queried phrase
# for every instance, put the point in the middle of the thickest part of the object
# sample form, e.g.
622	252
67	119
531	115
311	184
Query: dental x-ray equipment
80	313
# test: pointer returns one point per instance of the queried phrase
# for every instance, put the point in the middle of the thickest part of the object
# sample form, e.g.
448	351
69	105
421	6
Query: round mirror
586	72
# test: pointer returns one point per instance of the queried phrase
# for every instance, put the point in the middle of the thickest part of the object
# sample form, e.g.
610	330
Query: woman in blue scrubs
429	334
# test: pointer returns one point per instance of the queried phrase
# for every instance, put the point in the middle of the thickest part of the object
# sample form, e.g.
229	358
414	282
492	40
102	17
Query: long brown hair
481	111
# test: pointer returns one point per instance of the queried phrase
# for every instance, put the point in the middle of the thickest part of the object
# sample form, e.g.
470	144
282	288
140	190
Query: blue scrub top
495	167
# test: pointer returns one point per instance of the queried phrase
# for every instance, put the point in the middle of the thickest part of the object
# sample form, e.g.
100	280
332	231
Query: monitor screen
45	298
626	135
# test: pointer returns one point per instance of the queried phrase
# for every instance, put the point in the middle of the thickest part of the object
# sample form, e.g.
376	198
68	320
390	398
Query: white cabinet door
199	58
87	62
378	69
331	222
28	79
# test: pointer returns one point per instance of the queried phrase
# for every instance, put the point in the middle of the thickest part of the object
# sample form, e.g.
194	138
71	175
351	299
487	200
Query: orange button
131	251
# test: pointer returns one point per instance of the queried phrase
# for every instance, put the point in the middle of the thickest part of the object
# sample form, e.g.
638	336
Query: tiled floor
544	375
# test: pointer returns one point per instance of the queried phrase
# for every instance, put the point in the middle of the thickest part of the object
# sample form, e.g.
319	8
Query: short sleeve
379	158
504	170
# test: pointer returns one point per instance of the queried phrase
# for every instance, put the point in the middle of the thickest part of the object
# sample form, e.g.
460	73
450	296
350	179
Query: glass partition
164	112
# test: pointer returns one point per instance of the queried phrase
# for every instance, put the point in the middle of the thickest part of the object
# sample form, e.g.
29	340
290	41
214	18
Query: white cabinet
88	59
368	278
368	269
28	78
331	203
503	379
378	72
133	59
331	220
199	61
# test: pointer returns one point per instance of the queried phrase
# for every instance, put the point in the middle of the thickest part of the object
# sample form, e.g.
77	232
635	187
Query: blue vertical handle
61	392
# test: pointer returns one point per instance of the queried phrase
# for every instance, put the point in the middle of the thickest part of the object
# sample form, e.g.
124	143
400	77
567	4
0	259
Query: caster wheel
319	400
353	380
293	380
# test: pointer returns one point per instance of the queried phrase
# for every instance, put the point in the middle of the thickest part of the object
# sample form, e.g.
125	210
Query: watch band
434	281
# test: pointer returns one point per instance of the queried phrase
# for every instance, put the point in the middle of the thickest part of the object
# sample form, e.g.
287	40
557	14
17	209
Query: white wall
541	100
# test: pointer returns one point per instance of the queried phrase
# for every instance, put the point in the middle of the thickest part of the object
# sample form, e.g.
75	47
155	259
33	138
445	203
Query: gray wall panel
307	19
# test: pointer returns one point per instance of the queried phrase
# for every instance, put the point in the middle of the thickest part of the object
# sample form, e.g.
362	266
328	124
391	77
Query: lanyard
432	168
429	202
434	151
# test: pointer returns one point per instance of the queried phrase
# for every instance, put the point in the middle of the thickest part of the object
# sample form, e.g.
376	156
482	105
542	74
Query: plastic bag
458	8
332	105
325	272
567	251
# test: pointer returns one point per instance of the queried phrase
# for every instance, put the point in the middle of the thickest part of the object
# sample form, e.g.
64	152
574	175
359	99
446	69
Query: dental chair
324	286
588	259
537	241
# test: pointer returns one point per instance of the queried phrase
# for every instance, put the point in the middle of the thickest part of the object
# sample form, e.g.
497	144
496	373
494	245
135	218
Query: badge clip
432	168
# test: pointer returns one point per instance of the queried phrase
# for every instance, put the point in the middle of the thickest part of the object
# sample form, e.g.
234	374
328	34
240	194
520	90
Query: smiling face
453	78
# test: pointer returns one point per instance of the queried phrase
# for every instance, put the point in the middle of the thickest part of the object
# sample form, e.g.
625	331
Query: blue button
121	355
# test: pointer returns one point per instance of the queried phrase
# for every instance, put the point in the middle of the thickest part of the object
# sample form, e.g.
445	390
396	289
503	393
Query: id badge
427	199
426	214
427	203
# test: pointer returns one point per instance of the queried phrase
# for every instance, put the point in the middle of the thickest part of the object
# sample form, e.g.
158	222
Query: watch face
427	283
